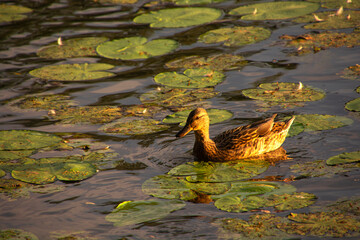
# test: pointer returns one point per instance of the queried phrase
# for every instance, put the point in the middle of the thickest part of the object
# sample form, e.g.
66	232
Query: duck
259	138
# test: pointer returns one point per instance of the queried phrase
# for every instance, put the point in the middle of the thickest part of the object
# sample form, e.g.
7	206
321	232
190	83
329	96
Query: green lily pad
338	3
295	129
88	114
9	13
259	226
12	155
179	17
317	122
219	172
12	140
240	204
191	78
73	72
352	72
176	97
330	20
236	36
131	126
75	171
37	175
2	173
358	89
325	224
184	2
18	234
290	201
215	115
77	47
218	62
284	92
349	157
274	10
315	42
134	212
353	105
117	1
172	187
135	48
43	102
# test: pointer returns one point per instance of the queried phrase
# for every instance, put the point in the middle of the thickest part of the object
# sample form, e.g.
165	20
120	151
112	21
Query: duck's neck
202	135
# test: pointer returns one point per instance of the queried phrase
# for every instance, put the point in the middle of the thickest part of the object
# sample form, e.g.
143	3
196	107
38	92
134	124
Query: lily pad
75	171
73	72
135	48
131	126
330	20
215	115
219	172
43	102
17	154
295	129
12	140
352	72
37	175
275	10
10	13
191	78
77	47
172	187
347	206
240	204
218	62
184	2
329	224
18	234
176	97
2	173
134	212
353	105
236	36
348	157
290	201
284	92
335	4
315	42
179	17
317	122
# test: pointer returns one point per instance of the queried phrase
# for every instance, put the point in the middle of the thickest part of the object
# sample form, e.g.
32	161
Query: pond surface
82	206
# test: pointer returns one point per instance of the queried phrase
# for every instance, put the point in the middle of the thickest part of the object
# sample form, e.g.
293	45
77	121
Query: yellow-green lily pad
134	212
191	78
37	175
317	122
179	17
324	224
330	20
348	157
284	92
75	171
2	173
12	233
275	10
131	126
15	154
43	102
236	36
335	4
352	72
73	72
218	62
290	201
10	13
77	47
135	48
353	105
215	115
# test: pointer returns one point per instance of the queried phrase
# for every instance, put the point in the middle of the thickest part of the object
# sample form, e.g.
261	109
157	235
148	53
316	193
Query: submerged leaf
179	17
349	157
131	126
236	36
134	212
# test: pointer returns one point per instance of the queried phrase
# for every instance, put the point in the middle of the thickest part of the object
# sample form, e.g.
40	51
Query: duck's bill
184	131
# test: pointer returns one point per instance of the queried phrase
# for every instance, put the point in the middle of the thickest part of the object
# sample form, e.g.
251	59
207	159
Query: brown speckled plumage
238	143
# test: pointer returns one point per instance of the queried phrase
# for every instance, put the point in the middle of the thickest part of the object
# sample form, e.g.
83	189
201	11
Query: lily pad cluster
13	233
10	13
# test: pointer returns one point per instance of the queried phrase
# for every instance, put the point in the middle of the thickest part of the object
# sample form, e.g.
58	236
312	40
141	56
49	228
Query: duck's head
198	119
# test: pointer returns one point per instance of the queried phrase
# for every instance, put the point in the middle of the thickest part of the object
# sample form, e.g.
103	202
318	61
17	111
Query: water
82	206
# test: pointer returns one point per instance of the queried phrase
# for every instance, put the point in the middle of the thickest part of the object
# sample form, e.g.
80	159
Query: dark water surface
70	210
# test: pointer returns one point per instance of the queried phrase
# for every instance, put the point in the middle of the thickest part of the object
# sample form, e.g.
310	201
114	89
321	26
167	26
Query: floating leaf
219	172
240	204
118	1
2	173
134	212
215	115
77	47
274	10
176	97
335	4
12	140
9	13
290	201
75	171
217	62
342	158
329	224
236	36
191	78
317	122
8	234
43	102
347	206
330	20
179	17
37	175
131	126
73	72
284	92
135	48
353	105
295	129
314	42
12	155
352	72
